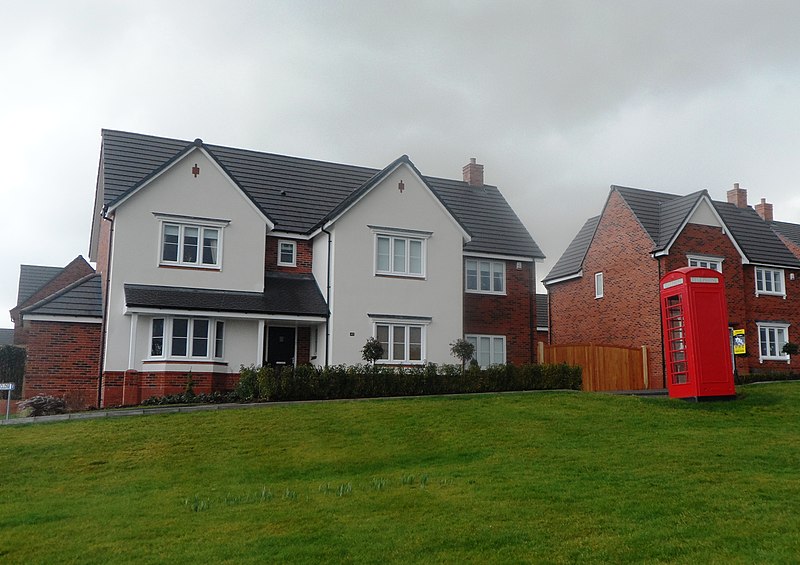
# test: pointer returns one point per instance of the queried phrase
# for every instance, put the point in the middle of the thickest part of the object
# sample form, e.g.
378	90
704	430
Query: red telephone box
697	347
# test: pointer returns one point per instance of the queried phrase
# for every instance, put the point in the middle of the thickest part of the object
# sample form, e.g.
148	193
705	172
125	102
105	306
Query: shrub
12	368
765	377
372	350
42	406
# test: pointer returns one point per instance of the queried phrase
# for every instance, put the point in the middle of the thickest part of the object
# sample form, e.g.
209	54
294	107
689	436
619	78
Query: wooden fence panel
604	367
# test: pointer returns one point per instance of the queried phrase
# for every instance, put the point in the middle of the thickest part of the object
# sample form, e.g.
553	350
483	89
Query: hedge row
306	382
766	376
12	368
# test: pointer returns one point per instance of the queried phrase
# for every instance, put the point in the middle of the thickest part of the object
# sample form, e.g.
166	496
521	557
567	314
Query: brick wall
510	315
303	250
129	388
770	309
63	360
629	313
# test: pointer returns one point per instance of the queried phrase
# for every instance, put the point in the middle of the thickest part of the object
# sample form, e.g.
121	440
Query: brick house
209	258
608	277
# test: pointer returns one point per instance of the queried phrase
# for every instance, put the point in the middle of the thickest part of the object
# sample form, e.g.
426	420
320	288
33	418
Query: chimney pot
473	172
737	196
764	209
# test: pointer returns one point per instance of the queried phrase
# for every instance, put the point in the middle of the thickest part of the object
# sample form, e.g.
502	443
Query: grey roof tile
673	215
83	298
571	261
298	194
6	336
788	230
32	278
755	237
284	293
542	310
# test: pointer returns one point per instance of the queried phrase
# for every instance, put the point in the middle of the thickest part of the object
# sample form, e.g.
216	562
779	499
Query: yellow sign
739	347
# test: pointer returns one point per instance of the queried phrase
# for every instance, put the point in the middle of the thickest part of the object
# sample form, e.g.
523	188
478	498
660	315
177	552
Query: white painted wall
137	241
357	291
704	215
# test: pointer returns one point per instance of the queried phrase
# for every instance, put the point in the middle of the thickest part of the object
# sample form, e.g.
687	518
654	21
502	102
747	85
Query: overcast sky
558	99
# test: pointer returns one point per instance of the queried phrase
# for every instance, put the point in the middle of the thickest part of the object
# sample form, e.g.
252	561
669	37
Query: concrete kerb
122	412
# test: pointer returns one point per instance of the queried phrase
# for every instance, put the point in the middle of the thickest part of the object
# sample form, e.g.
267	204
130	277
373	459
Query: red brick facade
303	251
63	360
628	314
511	314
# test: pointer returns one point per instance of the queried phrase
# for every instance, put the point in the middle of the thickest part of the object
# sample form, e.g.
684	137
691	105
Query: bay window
187	338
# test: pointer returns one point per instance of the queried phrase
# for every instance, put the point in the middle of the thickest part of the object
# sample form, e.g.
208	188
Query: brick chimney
473	173
764	209
737	196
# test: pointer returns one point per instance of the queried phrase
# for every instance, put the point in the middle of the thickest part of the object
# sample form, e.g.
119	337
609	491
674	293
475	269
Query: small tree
372	350
790	348
463	350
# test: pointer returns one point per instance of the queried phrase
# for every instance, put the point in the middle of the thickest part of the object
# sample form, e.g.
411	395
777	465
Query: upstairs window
485	276
287	253
714	263
190	245
769	281
598	285
399	256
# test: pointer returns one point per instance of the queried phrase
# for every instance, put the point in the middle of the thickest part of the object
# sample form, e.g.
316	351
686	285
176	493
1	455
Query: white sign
7	386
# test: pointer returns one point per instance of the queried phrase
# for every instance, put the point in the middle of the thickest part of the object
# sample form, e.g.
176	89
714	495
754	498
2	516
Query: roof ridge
59	293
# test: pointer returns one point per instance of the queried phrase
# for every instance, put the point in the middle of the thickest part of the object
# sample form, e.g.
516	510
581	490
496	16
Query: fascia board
577	275
221	314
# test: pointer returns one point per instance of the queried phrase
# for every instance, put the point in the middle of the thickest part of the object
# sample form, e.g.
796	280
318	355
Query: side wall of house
510	315
628	314
63	360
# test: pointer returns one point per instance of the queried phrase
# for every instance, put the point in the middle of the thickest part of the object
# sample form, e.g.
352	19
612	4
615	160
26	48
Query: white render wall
357	291
136	248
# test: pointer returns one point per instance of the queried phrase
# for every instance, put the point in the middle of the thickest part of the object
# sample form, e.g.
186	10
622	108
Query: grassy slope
553	477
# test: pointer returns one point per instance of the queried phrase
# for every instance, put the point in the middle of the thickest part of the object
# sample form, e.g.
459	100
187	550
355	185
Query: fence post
540	352
644	368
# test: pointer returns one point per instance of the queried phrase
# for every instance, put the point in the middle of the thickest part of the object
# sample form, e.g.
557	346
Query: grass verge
553	477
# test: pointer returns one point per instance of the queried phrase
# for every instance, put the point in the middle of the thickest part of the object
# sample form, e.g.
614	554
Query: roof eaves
365	188
155	173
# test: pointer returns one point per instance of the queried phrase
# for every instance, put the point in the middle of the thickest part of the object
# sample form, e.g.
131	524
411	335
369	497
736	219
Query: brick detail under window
129	388
303	249
508	315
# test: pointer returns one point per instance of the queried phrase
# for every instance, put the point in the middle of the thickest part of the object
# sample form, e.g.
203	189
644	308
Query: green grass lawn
546	477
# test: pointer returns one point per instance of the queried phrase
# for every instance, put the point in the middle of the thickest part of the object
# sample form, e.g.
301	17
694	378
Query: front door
280	346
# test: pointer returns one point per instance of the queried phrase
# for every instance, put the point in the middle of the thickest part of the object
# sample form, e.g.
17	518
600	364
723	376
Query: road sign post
9	387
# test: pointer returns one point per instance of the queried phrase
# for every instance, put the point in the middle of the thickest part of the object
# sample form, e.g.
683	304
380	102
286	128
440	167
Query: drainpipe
532	312
328	301
104	330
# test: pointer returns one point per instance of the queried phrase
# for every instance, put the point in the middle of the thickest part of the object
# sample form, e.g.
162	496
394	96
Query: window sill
190	267
401	276
185	361
489	292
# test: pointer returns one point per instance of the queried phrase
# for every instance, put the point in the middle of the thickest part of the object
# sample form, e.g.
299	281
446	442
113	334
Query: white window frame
598	285
390	359
293	244
476	339
182	226
776	275
403	270
698	261
772	327
494	267
213	348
